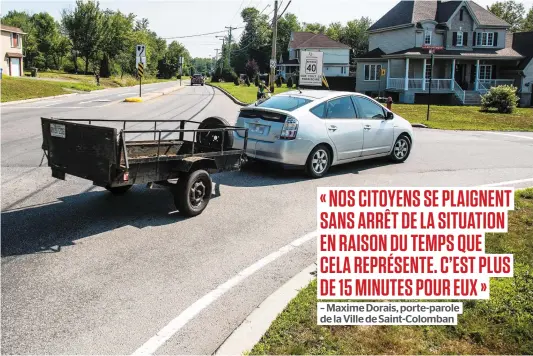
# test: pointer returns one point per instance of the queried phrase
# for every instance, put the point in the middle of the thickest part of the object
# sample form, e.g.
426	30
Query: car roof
317	94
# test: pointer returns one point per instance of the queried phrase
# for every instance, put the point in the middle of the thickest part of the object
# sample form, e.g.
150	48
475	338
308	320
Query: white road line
194	309
50	103
511	135
508	182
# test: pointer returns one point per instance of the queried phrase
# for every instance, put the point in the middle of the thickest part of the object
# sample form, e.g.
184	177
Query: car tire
193	192
318	162
213	139
401	149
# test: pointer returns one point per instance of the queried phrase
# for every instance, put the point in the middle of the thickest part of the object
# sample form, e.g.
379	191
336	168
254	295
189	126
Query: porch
463	78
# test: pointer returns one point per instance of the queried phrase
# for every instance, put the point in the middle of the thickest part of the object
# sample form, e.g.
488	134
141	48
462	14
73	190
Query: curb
37	99
234	99
153	95
244	338
419	125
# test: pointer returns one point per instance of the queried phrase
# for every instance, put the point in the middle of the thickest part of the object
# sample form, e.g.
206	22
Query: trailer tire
192	193
213	139
119	190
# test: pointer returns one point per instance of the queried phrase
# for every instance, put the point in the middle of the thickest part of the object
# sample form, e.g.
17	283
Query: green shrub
503	98
289	82
256	81
236	81
247	81
278	81
229	75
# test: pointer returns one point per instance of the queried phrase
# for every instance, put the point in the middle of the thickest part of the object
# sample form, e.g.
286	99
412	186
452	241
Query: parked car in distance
197	79
315	129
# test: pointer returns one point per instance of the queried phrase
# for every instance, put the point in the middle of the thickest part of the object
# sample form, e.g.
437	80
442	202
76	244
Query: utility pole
223	38
274	40
216	57
229	45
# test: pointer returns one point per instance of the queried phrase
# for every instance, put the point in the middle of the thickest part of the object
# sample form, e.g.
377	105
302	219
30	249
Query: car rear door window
319	110
341	108
368	109
284	102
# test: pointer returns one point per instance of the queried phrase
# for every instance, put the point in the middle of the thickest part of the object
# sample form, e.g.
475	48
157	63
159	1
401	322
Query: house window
372	71
485	39
461	15
428	70
427	37
15	40
459	39
485	72
343	70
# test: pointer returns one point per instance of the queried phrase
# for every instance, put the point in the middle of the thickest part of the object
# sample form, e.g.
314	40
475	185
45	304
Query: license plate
258	129
57	130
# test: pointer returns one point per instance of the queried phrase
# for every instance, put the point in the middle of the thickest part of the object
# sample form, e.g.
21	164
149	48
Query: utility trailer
113	160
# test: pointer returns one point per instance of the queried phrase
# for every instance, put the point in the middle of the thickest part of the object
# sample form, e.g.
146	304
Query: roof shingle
312	40
410	12
11	29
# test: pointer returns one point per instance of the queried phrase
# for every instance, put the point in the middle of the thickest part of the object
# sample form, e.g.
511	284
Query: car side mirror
389	116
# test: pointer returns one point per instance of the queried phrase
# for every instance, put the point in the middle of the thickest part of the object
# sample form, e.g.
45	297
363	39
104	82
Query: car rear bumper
287	152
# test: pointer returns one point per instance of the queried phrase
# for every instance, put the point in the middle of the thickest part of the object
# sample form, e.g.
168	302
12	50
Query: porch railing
459	92
417	84
485	85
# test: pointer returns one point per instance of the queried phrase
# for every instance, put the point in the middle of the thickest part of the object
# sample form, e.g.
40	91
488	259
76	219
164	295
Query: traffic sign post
311	69
432	50
140	73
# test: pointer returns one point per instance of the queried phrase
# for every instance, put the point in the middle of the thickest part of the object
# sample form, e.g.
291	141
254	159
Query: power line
242	2
200	34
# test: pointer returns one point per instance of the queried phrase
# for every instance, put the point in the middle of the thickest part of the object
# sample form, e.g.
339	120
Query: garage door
15	67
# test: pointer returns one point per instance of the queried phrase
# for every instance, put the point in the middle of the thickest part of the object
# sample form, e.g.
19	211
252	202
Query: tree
528	21
251	69
335	31
46	34
510	11
116	37
355	35
255	42
286	24
314	27
84	27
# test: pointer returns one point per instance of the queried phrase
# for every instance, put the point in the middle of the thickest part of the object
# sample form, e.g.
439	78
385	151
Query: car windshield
284	102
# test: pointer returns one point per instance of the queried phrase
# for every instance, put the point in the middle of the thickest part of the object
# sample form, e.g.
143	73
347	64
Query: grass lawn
14	88
501	325
246	94
466	117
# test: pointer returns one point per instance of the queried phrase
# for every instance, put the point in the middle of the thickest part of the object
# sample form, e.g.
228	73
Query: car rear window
284	102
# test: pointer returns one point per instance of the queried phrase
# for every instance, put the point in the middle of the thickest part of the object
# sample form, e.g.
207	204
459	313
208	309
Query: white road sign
311	68
140	57
272	63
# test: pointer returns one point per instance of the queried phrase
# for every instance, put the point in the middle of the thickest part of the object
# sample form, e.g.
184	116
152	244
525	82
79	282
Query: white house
12	51
336	55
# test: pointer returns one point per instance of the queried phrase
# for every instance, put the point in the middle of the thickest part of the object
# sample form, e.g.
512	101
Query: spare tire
213	139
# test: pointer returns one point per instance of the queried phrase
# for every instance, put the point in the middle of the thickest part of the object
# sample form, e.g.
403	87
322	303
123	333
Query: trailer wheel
119	190
213	139
192	193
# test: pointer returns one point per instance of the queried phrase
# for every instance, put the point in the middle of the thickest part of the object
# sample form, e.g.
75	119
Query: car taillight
290	129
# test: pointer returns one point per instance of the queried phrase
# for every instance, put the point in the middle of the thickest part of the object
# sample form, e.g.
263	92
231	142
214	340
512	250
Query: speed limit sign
311	68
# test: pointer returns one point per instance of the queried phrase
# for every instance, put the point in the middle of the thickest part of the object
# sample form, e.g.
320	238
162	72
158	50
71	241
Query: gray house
474	49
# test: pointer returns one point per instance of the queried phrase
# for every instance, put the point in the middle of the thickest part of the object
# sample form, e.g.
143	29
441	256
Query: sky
188	17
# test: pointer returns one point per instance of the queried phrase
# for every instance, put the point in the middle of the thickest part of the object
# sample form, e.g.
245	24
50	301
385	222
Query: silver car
316	129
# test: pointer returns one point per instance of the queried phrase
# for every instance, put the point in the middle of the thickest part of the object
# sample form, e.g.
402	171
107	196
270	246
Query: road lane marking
50	103
511	135
508	182
194	309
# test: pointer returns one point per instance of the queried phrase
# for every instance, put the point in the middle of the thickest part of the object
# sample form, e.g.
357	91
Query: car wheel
401	149
192	193
318	162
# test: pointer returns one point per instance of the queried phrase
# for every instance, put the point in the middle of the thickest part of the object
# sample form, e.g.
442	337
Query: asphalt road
84	272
